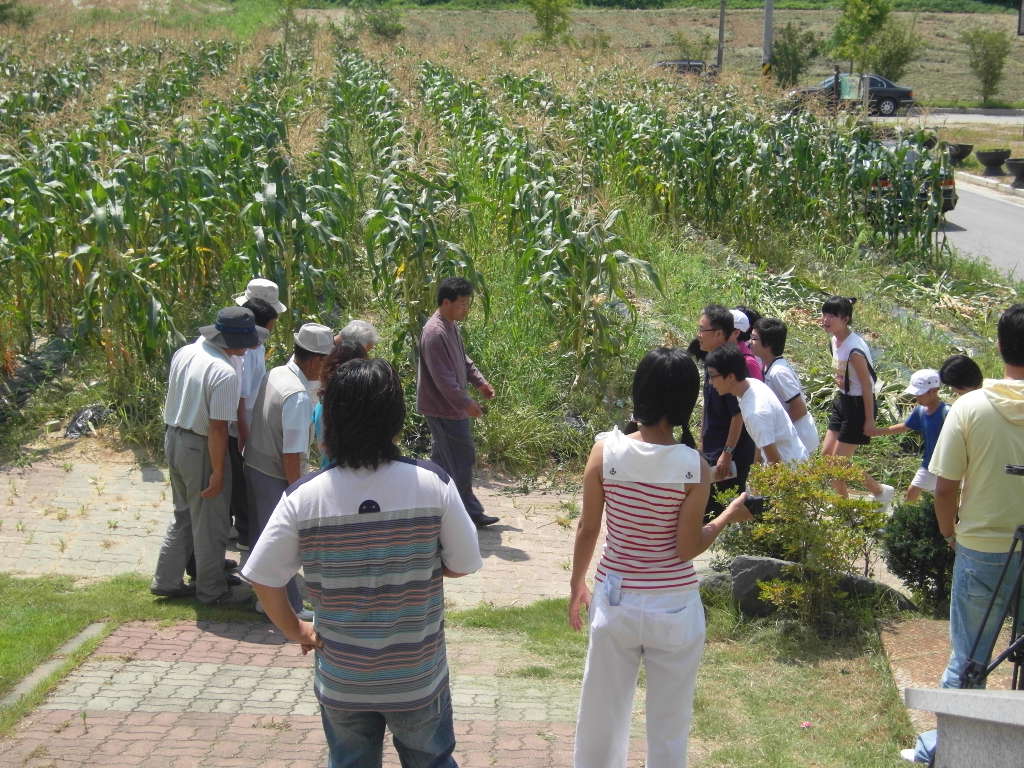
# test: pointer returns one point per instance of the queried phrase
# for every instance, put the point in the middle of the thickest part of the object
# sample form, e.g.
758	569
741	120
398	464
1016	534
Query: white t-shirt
840	357
767	422
201	385
251	368
784	382
297	416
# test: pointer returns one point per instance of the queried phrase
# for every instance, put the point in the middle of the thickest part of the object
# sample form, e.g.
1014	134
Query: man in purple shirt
444	372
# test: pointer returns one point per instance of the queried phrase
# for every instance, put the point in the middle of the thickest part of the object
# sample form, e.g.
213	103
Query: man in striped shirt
374	534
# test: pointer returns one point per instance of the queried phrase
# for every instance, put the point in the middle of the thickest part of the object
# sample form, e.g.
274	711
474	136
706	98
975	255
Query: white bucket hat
315	338
261	288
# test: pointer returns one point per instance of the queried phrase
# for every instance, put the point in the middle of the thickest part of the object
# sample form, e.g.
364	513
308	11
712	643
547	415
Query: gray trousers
200	526
452	449
264	494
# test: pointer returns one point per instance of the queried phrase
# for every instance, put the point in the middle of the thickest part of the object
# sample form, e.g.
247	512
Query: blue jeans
974	580
423	738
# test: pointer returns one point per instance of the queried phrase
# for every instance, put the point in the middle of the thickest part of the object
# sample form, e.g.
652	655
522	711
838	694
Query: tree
987	49
860	21
795	48
13	12
893	48
552	17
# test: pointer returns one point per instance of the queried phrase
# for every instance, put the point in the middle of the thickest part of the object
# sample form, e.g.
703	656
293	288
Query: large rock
747	572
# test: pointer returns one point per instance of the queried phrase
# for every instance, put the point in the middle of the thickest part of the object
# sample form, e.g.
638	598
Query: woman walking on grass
646	605
852	417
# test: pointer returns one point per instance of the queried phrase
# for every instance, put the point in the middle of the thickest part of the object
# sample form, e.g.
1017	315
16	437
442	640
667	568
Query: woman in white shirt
646	604
852	417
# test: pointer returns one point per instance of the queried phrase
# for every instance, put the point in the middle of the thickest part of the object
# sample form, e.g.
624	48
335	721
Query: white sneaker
885	496
908	755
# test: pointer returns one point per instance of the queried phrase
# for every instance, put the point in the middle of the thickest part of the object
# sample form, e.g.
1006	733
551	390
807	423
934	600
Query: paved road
988	225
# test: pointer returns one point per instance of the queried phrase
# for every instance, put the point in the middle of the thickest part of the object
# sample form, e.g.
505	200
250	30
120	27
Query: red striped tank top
643	490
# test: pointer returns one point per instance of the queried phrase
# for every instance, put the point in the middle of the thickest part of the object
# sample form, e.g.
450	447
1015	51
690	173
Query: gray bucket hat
261	288
235	329
315	338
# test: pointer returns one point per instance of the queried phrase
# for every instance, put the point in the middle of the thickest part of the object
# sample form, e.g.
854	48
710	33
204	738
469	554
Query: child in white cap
926	418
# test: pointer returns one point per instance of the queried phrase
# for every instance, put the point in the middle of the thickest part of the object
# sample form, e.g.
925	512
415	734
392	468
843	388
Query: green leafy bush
552	17
692	46
384	22
794	49
916	552
630	4
893	48
809	524
987	49
13	12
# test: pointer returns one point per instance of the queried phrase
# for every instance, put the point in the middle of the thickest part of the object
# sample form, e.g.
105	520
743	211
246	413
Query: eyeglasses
714	375
705	330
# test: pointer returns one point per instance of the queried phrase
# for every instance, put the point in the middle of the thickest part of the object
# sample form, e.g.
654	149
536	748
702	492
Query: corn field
143	183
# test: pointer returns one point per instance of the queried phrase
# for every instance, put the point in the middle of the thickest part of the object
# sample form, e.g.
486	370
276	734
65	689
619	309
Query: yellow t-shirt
983	432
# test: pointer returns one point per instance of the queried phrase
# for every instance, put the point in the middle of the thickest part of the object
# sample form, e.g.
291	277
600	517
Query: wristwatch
729	449
950	539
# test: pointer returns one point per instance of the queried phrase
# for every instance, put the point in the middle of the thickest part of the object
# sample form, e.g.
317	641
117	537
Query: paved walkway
208	694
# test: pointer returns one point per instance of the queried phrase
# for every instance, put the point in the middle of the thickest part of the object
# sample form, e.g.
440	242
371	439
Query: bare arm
895	429
217	444
292	466
947	500
587	531
692	538
771	453
796	408
275	602
243	425
725	459
452	574
859	363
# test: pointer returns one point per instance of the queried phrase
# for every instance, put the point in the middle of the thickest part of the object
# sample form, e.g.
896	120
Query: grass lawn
768	694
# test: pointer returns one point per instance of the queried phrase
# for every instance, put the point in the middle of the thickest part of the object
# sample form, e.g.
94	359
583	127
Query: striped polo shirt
372	545
644	488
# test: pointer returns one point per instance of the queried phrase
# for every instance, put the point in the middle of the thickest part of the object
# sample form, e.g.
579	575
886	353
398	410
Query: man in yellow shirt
983	432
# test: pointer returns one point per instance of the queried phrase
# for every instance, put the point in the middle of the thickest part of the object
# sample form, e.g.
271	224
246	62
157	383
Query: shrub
861	20
552	17
384	22
987	49
630	4
809	524
893	48
689	46
794	49
916	552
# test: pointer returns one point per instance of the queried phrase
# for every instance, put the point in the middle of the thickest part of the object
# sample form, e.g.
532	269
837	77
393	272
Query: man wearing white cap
927	418
262	297
277	453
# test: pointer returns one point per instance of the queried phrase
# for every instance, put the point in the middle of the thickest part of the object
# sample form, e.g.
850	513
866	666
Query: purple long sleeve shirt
444	371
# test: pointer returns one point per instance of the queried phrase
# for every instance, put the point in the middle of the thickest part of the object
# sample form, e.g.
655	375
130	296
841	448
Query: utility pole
768	38
721	34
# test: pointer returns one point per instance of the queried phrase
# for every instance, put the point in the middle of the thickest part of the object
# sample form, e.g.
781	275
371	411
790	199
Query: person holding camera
646	605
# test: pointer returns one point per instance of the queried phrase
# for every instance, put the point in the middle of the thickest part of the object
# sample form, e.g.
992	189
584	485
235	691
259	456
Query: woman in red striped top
645	606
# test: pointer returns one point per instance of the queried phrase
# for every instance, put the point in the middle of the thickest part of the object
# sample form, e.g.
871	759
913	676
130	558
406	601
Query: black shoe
230	565
232	580
185	590
482	521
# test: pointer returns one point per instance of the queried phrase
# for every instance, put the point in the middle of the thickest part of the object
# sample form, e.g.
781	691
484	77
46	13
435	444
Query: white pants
664	630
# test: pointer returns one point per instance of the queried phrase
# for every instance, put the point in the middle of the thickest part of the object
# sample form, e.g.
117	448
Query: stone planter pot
959	152
1015	165
993	160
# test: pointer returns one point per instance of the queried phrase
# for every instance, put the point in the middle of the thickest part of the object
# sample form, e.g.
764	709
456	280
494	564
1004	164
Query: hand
737	510
487	391
721	469
580	596
869	428
474	411
308	639
215	486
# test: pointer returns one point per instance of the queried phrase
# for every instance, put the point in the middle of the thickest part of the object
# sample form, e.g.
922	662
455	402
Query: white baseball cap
740	321
316	338
923	380
261	288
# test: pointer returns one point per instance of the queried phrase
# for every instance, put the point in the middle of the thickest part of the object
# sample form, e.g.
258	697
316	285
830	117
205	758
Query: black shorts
847	418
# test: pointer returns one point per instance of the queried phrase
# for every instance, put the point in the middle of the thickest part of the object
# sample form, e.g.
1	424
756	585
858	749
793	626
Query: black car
884	97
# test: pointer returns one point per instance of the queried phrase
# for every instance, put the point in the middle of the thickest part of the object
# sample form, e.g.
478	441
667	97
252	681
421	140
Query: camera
757	505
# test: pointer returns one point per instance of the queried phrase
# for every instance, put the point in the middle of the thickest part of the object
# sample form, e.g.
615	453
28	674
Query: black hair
728	359
666	385
364	410
752	317
720	318
343	351
303	355
840	306
1010	333
451	288
263	311
773	334
960	372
